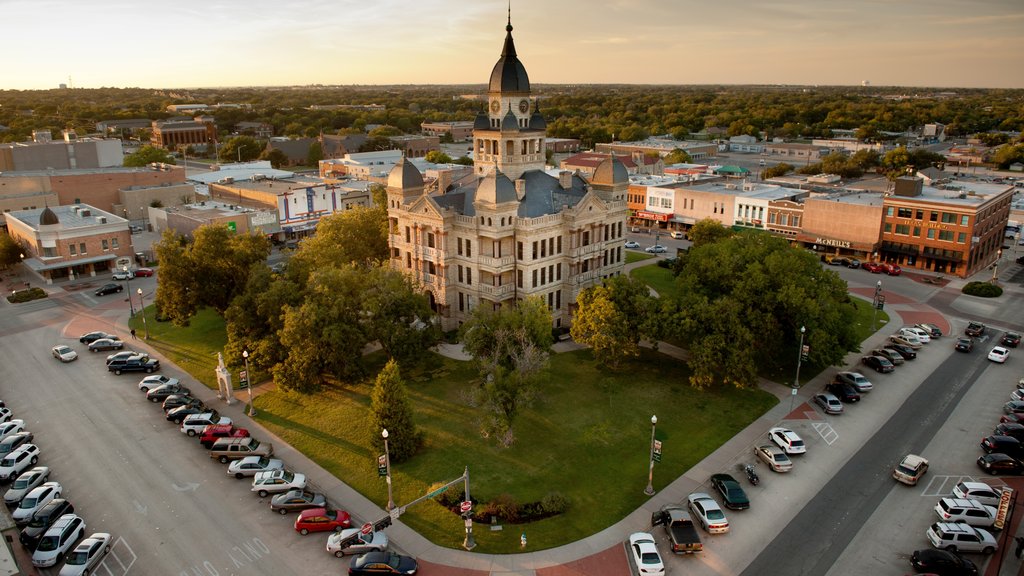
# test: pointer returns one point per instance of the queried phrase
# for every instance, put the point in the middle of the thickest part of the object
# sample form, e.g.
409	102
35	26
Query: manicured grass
193	348
633	256
661	279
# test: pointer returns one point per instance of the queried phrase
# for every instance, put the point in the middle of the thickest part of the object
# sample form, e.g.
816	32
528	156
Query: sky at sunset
133	43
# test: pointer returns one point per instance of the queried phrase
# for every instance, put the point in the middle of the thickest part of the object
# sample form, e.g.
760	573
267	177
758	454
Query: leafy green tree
379	194
391	410
678	156
993	138
244	148
255	318
397	315
276	156
176	292
384	132
438	157
316	154
865	159
10	251
896	159
357	237
376	143
1008	154
613	318
780	169
222	261
147	155
708	231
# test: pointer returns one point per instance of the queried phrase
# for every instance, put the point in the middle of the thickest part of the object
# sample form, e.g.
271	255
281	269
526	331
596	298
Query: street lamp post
799	358
650	472
387	462
128	281
142	311
248	379
874	304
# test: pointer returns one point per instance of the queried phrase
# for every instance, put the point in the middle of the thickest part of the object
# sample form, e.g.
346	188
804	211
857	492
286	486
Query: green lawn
587	437
193	348
661	279
633	256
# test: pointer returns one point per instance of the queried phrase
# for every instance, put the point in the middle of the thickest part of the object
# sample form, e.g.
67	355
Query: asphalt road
813	541
171	509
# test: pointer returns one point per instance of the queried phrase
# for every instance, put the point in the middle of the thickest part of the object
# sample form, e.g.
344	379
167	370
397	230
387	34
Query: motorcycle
751	474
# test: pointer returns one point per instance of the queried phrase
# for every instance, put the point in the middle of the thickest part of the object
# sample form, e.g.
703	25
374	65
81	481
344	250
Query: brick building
173	134
460	131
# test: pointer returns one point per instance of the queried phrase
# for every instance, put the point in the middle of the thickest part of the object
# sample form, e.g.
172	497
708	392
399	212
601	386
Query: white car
122	275
998	354
958	537
275	481
57	540
18	461
150	382
921	335
12	427
632	244
677	234
787	440
5	414
194	424
251	465
64	353
656	249
25	483
35	500
708	513
645	554
978	491
372	542
967	511
87	555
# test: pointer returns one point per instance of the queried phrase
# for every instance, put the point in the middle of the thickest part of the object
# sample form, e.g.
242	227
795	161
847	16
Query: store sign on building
832	243
652	216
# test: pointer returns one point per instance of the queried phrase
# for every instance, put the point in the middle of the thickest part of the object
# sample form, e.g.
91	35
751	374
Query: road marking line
128	553
826	431
942	485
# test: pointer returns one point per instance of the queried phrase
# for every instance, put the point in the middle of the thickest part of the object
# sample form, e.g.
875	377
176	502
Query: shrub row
504	508
983	289
26	295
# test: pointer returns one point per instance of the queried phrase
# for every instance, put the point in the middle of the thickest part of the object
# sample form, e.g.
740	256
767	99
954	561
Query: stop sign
367	528
465	506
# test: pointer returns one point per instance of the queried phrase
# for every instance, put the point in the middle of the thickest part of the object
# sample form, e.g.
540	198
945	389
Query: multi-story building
416	146
662	147
516	231
954	229
70	241
460	131
172	134
637	163
43	153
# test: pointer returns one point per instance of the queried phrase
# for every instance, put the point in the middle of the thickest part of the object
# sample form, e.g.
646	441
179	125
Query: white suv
921	335
967	511
787	440
60	538
195	423
18	461
957	537
978	491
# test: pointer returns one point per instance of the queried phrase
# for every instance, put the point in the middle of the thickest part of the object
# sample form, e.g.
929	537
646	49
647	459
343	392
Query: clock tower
510	136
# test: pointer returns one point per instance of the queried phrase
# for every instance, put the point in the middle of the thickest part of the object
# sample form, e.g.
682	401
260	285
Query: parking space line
826	431
942	485
120	553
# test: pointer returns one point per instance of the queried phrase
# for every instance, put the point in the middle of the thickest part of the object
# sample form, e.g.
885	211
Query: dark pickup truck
682	532
134	364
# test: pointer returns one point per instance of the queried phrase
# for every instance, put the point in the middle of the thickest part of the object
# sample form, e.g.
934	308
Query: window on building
551	299
551	246
519	251
888	227
903	229
431	269
964	220
905	213
946	235
771	217
536	250
934	217
462	302
459	244
81	248
917	231
919	215
408	234
469	276
50	252
558	299
519	278
551	273
71	249
948	218
534	279
408	259
113	243
559	244
430	240
796	221
586	238
889	211
543	249
931	233
558	271
469	248
460	273
104	244
961	237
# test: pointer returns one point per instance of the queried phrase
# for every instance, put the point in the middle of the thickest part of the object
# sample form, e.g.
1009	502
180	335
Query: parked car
837	261
1002	444
964	344
67	530
873	267
105	344
656	249
83	560
91	337
914	344
250	465
892	269
18	461
322	520
25	483
998	463
923	335
134	364
275	481
932	330
11	427
999	354
853	263
150	382
911	336
110	288
195	424
632	244
64	353
644	552
1012	417
160	393
979	491
829	403
376	541
910	469
11	443
1013	406
958	537
5	414
213	432
1012	429
708	513
774	457
228	449
122	275
176	400
974	329
789	441
42	520
178	415
942	563
35	500
382	563
892	356
124	355
731	492
294	500
144	272
843	391
880	364
855	379
1010	339
907	352
967	511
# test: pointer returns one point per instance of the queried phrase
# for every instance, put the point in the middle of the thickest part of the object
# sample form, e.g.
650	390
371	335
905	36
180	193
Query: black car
844	391
94	336
974	329
382	563
878	363
964	344
41	521
1012	429
134	364
125	355
1011	339
175	400
942	562
108	289
907	352
732	494
177	415
839	261
161	392
1008	445
13	441
998	463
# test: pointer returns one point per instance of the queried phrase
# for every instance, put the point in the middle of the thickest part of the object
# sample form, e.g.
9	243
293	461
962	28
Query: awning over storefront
894	248
826	243
37	265
653	216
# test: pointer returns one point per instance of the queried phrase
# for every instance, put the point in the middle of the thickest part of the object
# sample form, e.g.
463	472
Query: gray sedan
295	500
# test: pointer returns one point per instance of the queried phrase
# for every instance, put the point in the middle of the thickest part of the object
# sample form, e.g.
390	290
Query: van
60	538
228	449
42	520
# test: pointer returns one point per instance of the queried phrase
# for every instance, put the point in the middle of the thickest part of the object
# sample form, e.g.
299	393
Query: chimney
520	188
565	179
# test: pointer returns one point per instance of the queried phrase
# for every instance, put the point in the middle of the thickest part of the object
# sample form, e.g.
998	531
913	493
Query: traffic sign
465	506
366	529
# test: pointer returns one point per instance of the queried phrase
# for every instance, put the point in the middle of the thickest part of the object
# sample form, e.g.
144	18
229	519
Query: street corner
803	411
611	562
431	569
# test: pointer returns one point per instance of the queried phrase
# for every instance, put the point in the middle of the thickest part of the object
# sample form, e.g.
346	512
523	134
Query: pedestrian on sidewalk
133	334
1020	547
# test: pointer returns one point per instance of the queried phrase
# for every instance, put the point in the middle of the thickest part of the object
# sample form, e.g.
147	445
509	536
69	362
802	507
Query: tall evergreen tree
391	411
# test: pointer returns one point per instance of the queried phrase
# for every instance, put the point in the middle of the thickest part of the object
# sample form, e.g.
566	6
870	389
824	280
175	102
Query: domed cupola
481	122
537	121
610	172
48	218
404	176
510	123
509	74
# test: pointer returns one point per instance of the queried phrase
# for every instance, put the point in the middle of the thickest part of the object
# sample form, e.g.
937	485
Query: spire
510	48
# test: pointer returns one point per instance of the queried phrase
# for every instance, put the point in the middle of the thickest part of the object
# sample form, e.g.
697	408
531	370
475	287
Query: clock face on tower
524	106
495	106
